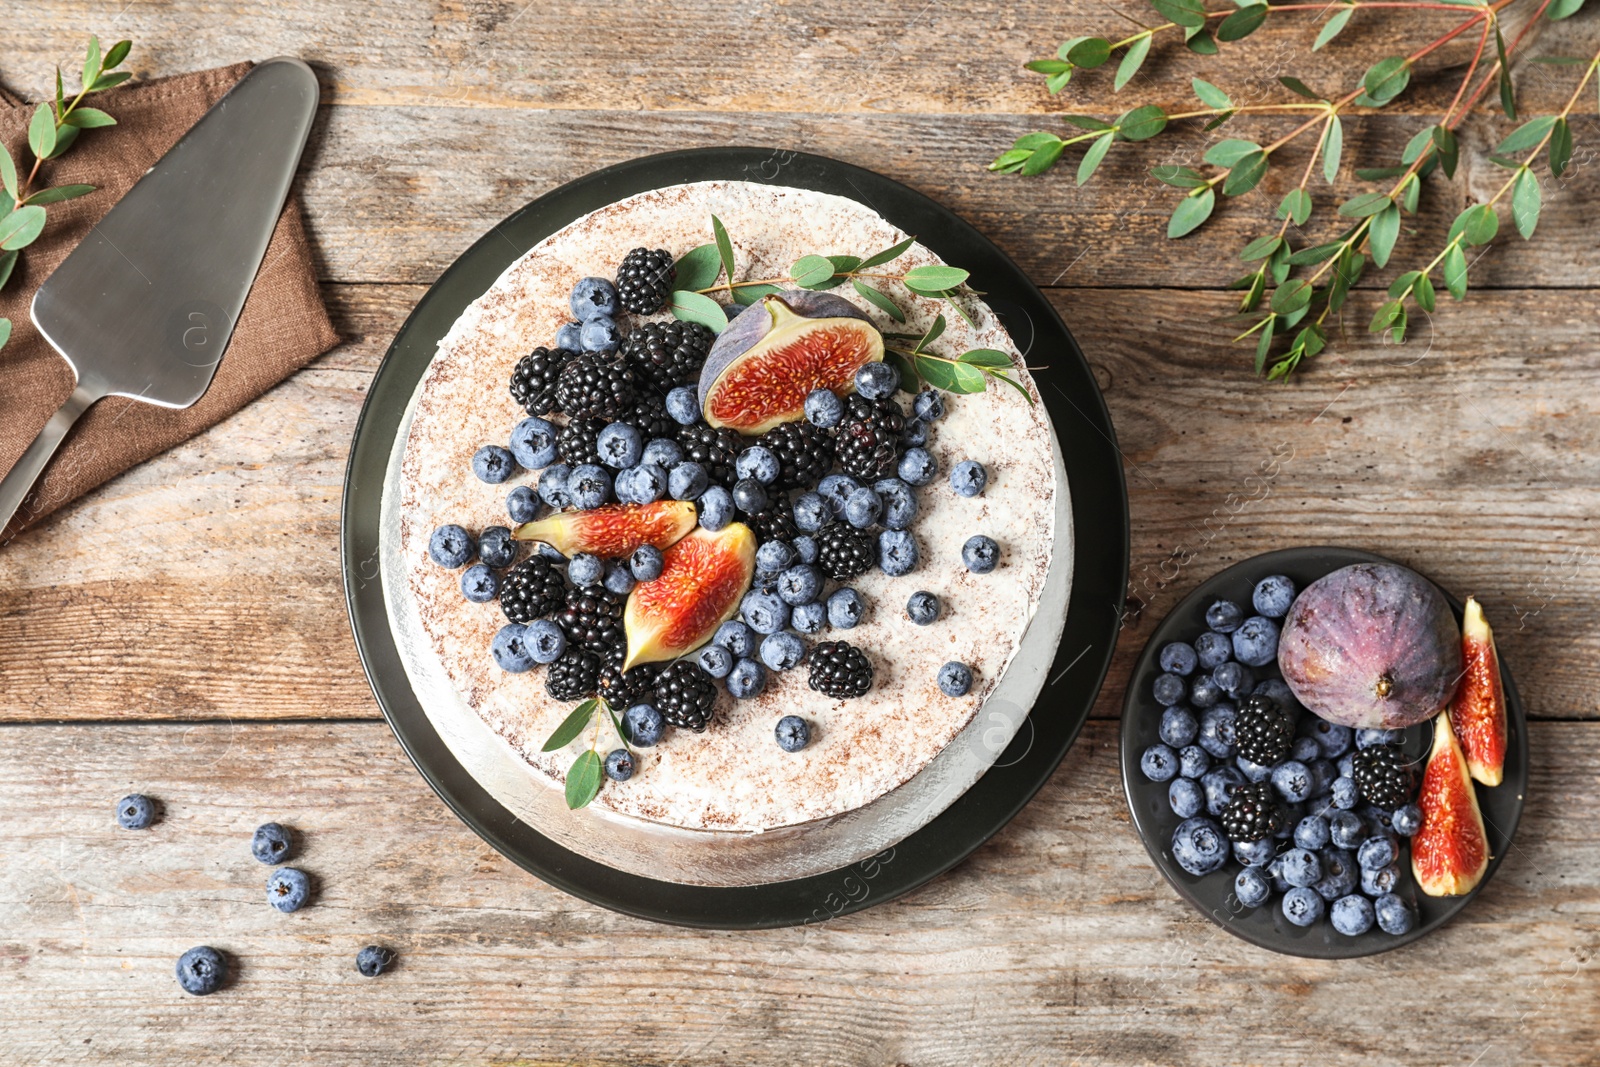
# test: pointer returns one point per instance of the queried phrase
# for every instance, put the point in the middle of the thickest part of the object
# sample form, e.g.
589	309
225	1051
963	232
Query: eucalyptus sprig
1300	305
701	271
52	130
587	773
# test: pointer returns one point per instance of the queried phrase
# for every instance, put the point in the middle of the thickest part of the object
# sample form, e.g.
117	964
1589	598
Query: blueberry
496	547
1255	853
922	607
688	481
643	725
1407	820
619	765
374	960
1203	692
1224	616
928	405
1212	649
288	889
1255	772
1169	689
765	612
1346	765
1193	761
135	811
749	496
955	680
845	608
586	569
1199	845
1178	658
618	579
549	552
1252	887
683	404
808	618
493	464
1275	874
899	503
1345	829
1219	785
897	552
1323	776
569	335
1383	880
1279	691
1306	749
451	546
202	970
715	506
980	554
836	489
782	651
522	504
1302	906
1185	797
1273	595
811	512
479	584
510	649
1293	781
1351	915
758	462
533	443
1369	738
968	478
800	584
1340	875
805	548
646	563
736	637
774	556
593	296
1179	726
824	408
1255	642
1159	763
1234	679
877	380
1311	833
918	467
664	452
620	446
1216	731
863	508
600	335
792	732
915	435
1345	795
715	661
588	485
1395	916
1377	851
545	640
553	485
747	679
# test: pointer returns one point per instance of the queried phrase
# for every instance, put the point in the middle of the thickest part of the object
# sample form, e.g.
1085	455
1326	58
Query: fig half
612	530
1450	851
1478	712
703	578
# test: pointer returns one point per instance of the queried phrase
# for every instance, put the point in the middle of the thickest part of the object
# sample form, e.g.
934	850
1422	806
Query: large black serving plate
1213	894
1100	570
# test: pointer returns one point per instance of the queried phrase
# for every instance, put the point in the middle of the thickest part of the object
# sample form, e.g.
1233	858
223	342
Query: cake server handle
20	479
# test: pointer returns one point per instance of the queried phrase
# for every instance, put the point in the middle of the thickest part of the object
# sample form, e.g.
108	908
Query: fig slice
761	367
703	578
1478	712
612	530
1450	852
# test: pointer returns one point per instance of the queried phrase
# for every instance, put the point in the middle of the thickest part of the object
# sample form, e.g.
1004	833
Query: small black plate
1100	571
1213	894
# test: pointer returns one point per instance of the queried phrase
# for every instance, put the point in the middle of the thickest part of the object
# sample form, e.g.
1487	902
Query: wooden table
182	630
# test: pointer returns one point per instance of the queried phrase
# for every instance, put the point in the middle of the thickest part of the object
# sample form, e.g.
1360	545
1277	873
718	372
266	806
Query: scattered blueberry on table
272	843
202	970
374	960
288	889
135	812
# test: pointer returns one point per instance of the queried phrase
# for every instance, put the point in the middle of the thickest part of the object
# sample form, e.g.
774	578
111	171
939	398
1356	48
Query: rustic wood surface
147	631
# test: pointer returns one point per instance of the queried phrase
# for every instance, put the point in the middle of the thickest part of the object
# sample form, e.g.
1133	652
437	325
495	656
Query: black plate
1099	501
1213	894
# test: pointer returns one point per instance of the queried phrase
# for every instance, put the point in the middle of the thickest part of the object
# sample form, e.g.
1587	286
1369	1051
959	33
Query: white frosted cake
733	776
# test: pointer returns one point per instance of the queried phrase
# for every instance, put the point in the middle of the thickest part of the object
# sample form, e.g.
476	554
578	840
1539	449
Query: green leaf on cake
699	268
697	307
584	778
749	294
880	300
934	279
891	253
724	247
571	726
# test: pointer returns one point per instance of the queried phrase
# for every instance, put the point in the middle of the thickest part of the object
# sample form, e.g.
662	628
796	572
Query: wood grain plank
206	583
1057	942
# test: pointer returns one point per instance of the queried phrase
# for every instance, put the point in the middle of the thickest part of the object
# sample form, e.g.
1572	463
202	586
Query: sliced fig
703	578
612	530
762	366
1371	646
1450	852
1478	712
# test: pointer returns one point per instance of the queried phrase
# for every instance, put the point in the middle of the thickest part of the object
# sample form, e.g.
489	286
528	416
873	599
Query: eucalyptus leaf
1264	343
1132	60
1089	53
21	228
1226	153
1261	248
1410	194
1378	174
1455	272
880	300
1057	82
749	294
1031	141
1292	295
1387	79
1086	122
89	118
991	358
42	132
57	193
1381	236
845	264
909	378
1142	123
61	96
5	332
8	263
1219	120
107	81
1043	158
1423	291
1191	212
1476	225
933	333
1011	160
1179	177
1209	94
1242	23
1560	147
1446	148
1386	314
1332	149
1014	384
1331	28
1245	174
1091	158
1527	135
1508	92
8	172
1278	266
1295	85
1403	284
1199	41
1359	207
1296	206
719	234
950	376
893	252
91	60
698	269
1525	202
1183	12
1252	299
1316	254
116	55
697	307
584	778
810	270
1048	66
1419	140
571	726
934	278
1562	9
64	138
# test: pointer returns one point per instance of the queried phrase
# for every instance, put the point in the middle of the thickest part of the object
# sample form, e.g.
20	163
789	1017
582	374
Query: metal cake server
145	306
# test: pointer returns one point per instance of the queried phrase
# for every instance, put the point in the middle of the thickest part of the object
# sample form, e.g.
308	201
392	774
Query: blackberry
531	590
715	450
644	280
804	451
595	385
592	619
869	437
574	676
844	551
649	416
686	696
1265	733
775	522
1252	814
667	354
533	380
623	689
579	441
839	670
1382	774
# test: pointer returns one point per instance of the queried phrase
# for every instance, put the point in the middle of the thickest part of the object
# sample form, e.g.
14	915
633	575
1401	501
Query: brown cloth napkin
282	327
